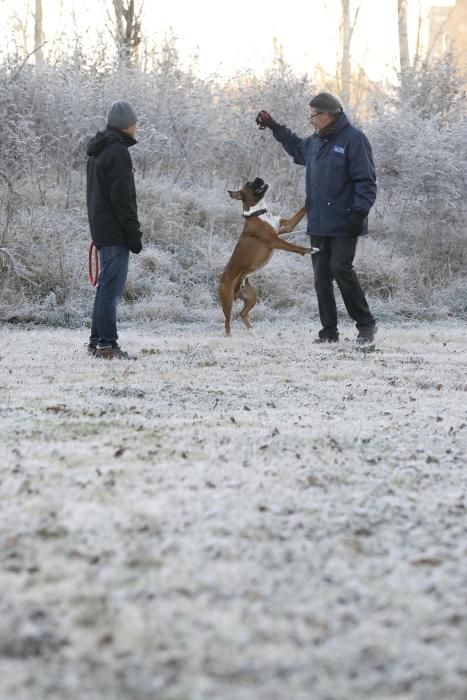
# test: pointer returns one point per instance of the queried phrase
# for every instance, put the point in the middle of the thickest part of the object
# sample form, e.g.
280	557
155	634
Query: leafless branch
13	265
439	32
8	208
31	53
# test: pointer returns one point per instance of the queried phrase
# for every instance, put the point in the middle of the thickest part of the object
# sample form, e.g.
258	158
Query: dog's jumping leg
226	294
288	225
248	294
279	244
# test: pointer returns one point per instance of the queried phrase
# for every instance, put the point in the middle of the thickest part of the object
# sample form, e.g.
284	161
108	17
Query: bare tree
127	29
403	35
405	65
38	34
409	67
440	30
347	30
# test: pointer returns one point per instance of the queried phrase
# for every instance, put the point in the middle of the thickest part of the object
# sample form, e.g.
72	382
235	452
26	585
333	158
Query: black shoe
322	340
366	334
91	348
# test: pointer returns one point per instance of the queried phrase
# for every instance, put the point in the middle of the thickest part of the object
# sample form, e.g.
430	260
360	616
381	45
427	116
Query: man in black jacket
113	220
340	191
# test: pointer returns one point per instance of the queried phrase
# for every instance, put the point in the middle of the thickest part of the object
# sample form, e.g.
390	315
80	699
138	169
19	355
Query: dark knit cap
325	102
121	115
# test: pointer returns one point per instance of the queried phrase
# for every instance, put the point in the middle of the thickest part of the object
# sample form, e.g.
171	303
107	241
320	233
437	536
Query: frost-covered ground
252	518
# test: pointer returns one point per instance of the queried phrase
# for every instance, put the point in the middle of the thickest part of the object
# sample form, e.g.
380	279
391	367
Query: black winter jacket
110	191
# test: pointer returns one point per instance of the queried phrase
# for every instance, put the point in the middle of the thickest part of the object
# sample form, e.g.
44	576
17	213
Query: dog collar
255	213
257	210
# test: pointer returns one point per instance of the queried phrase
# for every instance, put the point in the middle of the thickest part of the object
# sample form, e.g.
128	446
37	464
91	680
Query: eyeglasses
312	116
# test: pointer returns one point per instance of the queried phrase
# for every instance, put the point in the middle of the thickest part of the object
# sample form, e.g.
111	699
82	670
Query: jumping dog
257	243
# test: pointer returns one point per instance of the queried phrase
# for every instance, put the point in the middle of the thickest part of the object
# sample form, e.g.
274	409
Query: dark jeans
113	266
335	262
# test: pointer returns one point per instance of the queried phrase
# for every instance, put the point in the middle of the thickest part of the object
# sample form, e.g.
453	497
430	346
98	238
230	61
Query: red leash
93	258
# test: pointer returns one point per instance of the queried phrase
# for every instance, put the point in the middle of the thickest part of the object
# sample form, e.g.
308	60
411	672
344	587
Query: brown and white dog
257	243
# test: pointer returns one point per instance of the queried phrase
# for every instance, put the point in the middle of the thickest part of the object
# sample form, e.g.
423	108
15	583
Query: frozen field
252	518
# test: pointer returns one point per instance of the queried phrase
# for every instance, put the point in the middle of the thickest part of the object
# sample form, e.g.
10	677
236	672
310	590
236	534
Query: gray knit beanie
121	115
325	102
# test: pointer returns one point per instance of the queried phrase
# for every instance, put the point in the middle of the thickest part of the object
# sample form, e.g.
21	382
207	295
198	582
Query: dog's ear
238	194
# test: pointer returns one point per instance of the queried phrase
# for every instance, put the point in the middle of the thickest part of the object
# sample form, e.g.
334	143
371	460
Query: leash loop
93	264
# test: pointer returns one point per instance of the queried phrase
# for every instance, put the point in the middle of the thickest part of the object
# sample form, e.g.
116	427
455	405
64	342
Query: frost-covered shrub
434	90
197	139
421	207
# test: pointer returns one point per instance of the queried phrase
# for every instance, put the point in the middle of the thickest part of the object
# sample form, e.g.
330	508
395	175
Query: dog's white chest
267	217
274	221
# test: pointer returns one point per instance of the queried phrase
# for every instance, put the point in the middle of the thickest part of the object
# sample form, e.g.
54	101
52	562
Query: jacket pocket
336	220
338	209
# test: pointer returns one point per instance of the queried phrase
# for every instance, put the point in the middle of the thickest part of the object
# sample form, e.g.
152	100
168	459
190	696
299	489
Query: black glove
264	120
135	246
356	219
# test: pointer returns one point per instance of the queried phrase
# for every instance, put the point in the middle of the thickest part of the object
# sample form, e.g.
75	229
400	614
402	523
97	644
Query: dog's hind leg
249	296
226	295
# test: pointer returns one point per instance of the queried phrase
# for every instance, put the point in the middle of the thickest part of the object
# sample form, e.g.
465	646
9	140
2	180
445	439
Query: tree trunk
347	30
345	60
38	34
128	30
403	35
403	45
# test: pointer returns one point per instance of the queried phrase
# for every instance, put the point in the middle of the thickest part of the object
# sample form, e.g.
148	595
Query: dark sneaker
326	339
366	334
91	348
110	352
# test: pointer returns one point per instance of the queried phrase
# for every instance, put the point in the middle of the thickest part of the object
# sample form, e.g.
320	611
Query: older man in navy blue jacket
340	191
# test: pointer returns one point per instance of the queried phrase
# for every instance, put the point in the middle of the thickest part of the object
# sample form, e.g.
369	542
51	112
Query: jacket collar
334	128
126	139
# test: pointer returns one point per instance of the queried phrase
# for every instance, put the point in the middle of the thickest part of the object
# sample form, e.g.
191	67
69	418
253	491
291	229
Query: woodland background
198	138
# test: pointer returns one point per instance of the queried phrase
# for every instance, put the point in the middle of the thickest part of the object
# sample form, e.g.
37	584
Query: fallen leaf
427	561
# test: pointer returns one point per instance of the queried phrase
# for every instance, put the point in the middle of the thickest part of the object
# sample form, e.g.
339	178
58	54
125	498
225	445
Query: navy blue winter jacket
340	175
